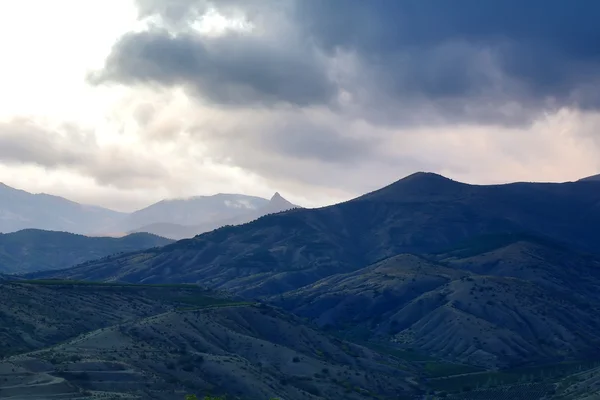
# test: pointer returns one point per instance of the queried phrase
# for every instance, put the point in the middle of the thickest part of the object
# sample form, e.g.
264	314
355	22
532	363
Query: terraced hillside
66	340
37	314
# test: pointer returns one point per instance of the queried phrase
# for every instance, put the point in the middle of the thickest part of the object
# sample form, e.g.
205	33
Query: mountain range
172	218
217	211
23	210
421	213
511	267
427	285
34	250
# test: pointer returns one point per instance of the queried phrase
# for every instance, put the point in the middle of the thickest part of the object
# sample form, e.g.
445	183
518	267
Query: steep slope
22	210
544	262
142	347
35	250
519	302
581	386
34	315
178	231
421	213
192	211
593	178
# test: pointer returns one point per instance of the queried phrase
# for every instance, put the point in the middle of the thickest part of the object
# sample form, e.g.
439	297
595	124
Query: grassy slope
77	339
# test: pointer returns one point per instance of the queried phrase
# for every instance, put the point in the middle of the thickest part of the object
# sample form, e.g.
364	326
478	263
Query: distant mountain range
222	209
23	210
34	250
174	218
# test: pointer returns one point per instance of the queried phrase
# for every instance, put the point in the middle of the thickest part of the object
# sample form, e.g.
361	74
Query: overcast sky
122	103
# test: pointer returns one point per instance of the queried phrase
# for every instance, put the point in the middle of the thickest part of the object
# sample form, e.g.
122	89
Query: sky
122	103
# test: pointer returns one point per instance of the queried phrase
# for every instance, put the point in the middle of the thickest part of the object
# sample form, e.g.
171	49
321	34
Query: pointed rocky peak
277	197
279	203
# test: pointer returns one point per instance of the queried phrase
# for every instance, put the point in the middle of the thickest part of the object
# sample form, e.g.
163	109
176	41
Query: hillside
420	214
593	178
35	250
179	231
518	303
23	210
163	342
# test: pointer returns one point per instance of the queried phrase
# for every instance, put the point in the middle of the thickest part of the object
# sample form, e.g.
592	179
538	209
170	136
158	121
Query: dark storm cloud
234	69
550	47
413	61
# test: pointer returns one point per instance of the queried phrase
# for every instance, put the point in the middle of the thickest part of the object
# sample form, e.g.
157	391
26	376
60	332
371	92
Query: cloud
324	100
538	52
392	62
24	141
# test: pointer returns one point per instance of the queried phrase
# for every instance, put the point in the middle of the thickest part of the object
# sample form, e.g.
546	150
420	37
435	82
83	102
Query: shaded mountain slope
132	342
421	213
581	386
23	210
593	178
545	262
521	302
34	250
36	315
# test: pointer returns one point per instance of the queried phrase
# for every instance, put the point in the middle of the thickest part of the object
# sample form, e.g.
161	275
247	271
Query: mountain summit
276	204
419	186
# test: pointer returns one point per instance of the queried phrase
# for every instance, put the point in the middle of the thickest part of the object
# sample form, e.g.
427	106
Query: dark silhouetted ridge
593	178
418	187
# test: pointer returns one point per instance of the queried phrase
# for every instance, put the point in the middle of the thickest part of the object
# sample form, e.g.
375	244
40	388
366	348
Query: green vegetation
194	299
194	397
515	376
441	369
486	243
406	355
108	284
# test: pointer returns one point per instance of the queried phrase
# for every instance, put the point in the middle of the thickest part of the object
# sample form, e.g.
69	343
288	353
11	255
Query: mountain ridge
178	231
20	210
284	251
30	250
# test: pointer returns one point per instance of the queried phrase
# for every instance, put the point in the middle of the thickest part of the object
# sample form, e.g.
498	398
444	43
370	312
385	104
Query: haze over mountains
216	211
22	210
174	218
